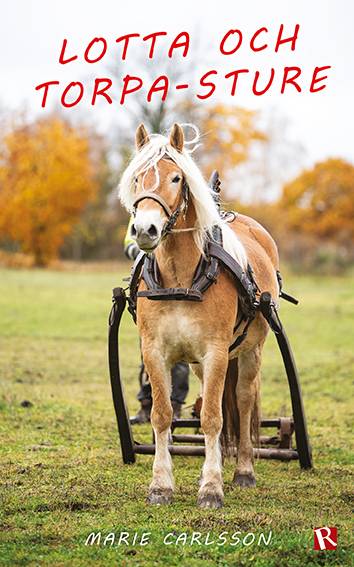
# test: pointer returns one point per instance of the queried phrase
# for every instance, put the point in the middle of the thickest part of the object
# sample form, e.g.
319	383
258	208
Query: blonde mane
206	211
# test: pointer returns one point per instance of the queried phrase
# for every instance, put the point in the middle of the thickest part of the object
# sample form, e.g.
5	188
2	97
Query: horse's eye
135	180
176	179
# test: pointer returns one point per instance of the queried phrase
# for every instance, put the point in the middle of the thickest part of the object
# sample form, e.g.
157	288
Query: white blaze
144	218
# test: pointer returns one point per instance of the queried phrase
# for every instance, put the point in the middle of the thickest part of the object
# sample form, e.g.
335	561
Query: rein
176	230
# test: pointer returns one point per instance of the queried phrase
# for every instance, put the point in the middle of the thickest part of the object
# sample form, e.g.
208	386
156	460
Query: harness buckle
211	276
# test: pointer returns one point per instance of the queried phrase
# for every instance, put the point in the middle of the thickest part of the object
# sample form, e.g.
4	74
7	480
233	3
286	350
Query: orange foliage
46	179
229	133
320	201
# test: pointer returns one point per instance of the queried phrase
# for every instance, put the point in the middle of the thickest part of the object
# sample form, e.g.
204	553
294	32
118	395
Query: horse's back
261	250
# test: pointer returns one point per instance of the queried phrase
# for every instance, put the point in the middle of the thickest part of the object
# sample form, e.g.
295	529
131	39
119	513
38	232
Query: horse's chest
181	333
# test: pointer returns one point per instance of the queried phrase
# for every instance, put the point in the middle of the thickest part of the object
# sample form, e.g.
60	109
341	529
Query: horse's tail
230	433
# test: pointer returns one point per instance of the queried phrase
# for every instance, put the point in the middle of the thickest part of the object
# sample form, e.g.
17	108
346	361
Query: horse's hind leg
210	493
247	392
162	485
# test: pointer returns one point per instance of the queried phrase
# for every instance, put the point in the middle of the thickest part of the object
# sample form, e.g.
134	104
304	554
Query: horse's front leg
162	485
211	493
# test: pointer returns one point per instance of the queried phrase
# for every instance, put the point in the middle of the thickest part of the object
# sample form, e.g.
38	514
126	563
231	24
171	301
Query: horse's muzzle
146	240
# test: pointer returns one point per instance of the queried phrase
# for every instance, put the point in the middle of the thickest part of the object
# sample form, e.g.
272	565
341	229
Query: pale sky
32	31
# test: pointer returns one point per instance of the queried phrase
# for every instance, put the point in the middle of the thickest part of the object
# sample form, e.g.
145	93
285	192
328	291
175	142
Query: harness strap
168	293
242	337
244	282
205	275
134	283
282	293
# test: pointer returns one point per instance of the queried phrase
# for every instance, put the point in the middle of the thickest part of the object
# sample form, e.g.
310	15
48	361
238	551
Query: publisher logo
324	538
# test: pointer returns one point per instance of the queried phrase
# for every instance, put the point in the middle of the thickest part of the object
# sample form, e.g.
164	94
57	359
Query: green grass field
61	471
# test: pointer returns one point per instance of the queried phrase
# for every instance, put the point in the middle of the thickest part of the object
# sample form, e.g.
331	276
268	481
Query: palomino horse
163	183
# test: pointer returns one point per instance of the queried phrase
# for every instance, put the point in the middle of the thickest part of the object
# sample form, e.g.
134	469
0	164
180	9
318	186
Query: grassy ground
61	470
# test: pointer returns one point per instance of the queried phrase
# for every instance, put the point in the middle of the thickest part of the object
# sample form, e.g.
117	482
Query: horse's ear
141	136
177	137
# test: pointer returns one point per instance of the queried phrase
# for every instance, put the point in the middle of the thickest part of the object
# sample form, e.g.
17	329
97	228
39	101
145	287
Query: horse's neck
178	255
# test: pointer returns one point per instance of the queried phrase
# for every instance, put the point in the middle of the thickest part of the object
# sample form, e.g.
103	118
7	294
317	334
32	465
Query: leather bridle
172	216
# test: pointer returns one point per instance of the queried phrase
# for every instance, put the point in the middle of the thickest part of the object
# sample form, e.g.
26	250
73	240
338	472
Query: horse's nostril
152	231
133	230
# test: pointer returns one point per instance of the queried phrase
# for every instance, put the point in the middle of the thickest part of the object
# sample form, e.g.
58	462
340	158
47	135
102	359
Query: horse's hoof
160	496
245	480
210	500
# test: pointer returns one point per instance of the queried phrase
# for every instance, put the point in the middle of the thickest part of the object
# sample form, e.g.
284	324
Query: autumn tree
228	135
46	178
320	202
271	163
94	236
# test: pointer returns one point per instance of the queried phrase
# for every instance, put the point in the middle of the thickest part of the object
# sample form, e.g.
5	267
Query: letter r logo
324	538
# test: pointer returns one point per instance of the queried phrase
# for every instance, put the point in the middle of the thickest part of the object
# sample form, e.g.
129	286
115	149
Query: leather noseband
153	197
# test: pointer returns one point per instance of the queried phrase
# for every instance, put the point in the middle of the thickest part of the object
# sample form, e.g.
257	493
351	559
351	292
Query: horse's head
165	190
161	193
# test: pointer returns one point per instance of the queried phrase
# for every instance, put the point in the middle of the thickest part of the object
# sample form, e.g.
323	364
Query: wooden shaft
185	438
198	451
195	422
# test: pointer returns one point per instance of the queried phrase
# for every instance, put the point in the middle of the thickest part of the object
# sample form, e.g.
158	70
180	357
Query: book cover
195	158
